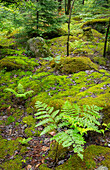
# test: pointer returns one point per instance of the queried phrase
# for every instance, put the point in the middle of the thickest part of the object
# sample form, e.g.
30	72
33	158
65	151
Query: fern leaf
20	88
48	129
44	122
40	113
28	92
55	113
10	90
43	116
51	110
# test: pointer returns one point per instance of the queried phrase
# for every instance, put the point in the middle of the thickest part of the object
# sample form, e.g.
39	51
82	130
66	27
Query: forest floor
17	120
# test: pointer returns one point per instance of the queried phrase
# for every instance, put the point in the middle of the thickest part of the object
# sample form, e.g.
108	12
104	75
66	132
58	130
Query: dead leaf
45	148
29	167
37	165
52	133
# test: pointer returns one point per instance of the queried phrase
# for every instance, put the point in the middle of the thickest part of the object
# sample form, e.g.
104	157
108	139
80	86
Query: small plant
10	119
56	59
70	124
20	92
25	141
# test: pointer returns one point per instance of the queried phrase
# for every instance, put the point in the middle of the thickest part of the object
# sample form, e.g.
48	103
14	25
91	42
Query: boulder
37	47
71	65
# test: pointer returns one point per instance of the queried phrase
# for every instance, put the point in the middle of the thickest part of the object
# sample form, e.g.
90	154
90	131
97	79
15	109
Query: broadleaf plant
70	124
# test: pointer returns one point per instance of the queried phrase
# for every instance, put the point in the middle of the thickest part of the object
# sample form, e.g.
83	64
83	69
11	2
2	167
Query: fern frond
44	122
20	88
40	113
55	113
28	92
10	90
48	129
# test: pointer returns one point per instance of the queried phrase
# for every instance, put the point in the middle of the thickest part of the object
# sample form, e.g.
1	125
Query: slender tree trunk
59	7
105	44
83	2
37	20
69	21
68	7
65	6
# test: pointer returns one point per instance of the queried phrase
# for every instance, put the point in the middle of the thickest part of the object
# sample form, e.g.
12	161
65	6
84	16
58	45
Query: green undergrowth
8	149
92	153
18	62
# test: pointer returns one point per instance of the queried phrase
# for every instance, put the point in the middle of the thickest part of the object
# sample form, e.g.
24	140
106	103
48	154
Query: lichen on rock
37	47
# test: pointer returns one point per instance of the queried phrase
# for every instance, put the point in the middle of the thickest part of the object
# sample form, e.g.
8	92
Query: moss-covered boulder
92	155
37	47
70	65
98	24
18	62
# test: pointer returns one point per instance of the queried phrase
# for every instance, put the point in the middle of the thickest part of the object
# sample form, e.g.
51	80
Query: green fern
20	93
71	123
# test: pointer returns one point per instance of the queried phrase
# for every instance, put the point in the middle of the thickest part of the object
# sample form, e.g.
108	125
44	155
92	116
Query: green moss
13	164
94	21
90	153
99	60
19	62
94	151
29	120
70	65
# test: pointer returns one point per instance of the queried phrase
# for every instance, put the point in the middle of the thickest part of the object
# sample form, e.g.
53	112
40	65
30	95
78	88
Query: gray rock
37	47
102	168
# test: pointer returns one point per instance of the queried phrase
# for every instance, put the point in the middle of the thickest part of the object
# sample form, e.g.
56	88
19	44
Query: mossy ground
87	86
91	156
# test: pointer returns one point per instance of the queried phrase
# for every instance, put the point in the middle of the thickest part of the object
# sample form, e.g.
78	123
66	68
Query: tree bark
37	20
68	7
83	2
105	44
69	21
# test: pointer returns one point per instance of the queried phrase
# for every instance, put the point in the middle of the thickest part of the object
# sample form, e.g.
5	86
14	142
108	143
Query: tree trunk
59	7
37	20
68	7
83	2
105	44
69	21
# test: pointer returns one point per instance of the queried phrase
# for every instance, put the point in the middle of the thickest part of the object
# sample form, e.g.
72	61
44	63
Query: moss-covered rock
91	154
18	62
37	48
97	24
70	65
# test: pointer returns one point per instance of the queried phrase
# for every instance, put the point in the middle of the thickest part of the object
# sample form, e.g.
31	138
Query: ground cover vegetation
54	108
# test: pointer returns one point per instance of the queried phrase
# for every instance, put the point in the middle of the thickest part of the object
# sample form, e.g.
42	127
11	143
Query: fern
71	123
20	93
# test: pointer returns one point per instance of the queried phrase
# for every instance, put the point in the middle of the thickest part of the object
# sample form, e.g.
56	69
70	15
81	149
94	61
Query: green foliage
70	124
56	59
10	119
25	141
20	92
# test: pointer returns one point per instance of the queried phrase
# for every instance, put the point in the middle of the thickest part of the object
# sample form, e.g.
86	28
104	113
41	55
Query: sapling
70	124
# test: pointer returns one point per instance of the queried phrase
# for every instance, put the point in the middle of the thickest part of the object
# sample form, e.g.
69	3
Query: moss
70	65
94	151
13	164
29	120
100	60
91	153
43	167
19	62
94	21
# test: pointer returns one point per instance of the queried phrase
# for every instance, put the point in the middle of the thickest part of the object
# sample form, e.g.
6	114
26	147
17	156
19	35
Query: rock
37	47
102	168
71	65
